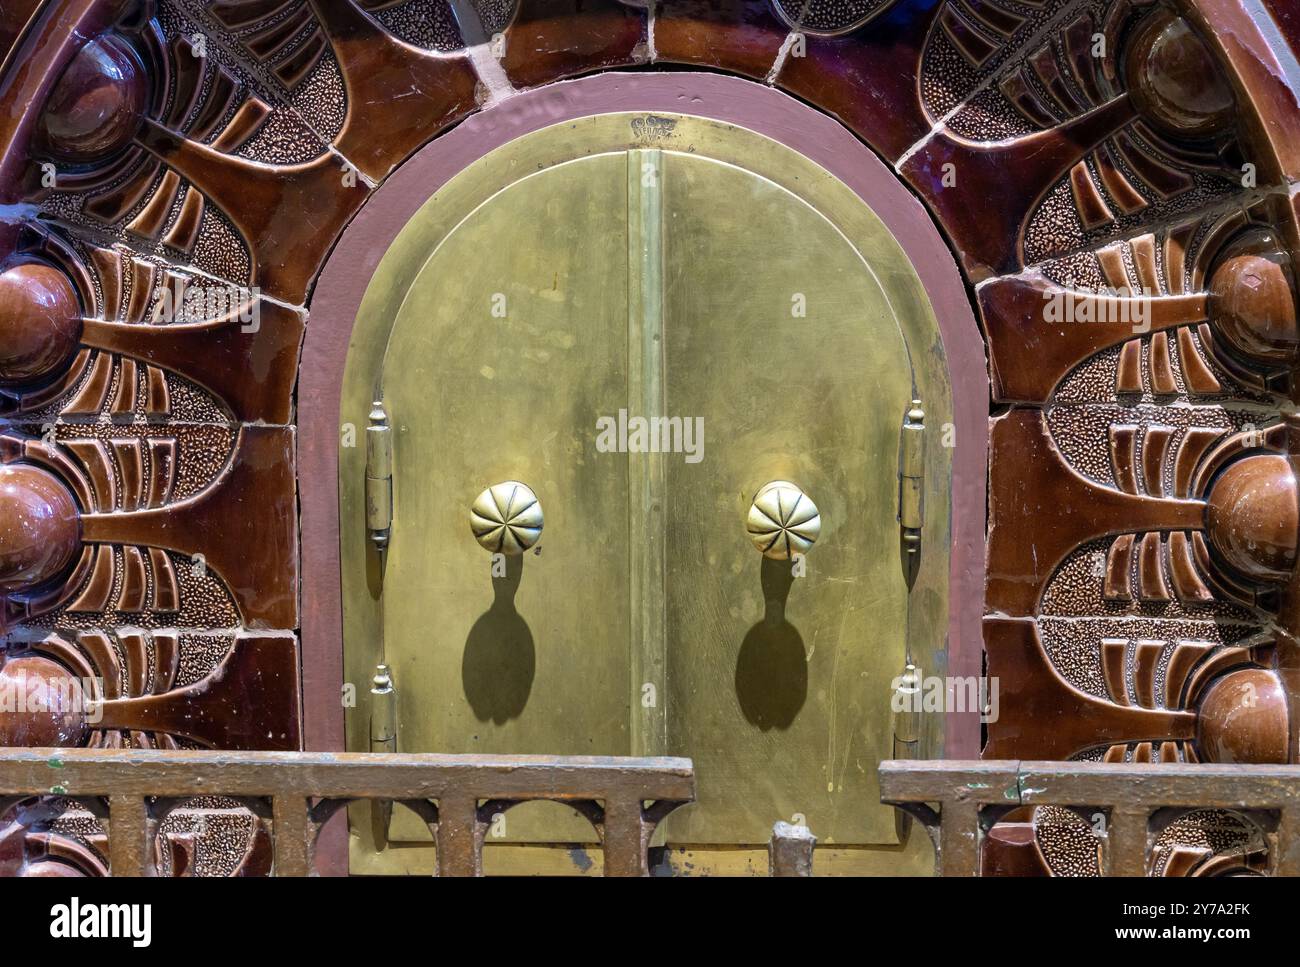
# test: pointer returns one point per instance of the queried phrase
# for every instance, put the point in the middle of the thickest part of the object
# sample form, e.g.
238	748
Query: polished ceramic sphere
1252	516
1243	718
47	707
97	103
50	869
40	322
1175	81
1252	302
40	530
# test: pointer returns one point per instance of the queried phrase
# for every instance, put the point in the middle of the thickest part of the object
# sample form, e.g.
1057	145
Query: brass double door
545	300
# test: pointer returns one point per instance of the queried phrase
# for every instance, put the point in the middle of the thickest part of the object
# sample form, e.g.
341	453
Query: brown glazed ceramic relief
1114	179
741	36
547	40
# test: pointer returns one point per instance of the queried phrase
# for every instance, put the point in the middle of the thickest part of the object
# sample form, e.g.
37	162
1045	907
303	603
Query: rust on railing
790	850
456	795
972	795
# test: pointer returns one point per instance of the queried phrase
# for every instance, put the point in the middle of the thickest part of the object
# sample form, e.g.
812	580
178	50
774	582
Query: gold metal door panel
510	342
668	266
778	334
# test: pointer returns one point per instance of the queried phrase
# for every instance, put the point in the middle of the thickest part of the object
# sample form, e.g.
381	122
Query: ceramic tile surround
170	189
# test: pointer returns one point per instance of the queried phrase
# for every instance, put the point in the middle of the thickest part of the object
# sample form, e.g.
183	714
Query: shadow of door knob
506	518
783	520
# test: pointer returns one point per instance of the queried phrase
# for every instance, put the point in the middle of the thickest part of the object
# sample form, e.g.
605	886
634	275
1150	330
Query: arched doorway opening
805	316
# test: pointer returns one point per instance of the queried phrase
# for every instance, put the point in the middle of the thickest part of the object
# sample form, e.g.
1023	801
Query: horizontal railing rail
972	795
625	798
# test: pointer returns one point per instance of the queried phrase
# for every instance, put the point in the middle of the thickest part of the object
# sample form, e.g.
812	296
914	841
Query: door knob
506	518
783	520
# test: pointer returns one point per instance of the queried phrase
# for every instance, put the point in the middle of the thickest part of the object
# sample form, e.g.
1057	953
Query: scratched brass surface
914	856
778	685
647	574
535	658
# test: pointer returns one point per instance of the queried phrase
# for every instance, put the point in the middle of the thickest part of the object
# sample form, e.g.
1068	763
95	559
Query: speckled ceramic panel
1116	337
147	434
1138	589
1061	841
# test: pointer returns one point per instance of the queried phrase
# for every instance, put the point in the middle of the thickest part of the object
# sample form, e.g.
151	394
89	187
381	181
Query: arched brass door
554	294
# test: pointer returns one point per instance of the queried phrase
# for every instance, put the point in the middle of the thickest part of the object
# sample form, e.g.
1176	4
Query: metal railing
455	795
972	795
624	798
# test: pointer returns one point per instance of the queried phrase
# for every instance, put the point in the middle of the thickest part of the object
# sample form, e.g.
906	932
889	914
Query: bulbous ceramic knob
1243	718
1174	80
783	521
97	103
506	518
1252	301
40	528
1252	516
40	322
53	712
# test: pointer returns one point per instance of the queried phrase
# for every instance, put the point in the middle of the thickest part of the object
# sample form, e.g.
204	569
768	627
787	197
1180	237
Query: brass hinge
383	738
907	713
379	476
383	711
911	473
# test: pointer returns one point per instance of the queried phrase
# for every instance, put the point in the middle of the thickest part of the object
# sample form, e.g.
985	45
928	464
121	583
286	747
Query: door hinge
911	473
383	738
379	477
383	711
907	713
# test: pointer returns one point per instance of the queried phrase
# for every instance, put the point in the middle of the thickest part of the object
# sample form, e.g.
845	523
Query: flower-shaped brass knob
506	518
783	521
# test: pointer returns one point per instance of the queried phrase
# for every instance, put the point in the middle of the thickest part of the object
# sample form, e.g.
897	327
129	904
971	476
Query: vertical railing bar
291	835
128	835
1288	842
1126	847
457	841
959	821
625	838
790	850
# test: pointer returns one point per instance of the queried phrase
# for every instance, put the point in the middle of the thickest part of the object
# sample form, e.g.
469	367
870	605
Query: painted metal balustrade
456	795
972	796
626	798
